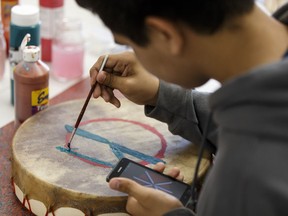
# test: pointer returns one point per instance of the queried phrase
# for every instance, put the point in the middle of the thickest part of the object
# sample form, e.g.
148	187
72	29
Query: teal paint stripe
122	149
95	160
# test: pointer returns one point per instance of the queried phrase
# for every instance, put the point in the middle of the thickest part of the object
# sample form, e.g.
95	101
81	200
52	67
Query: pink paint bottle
68	50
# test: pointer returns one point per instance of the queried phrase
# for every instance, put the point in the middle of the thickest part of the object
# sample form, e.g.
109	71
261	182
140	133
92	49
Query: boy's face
156	58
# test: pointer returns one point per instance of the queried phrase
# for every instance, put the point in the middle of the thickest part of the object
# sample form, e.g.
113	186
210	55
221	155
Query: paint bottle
3	56
68	50
24	19
31	78
51	11
6	6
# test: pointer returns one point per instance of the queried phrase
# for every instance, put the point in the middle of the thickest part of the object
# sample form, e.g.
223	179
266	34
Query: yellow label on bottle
40	97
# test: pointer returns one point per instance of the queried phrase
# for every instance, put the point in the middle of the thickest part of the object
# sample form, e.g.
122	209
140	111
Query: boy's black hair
127	17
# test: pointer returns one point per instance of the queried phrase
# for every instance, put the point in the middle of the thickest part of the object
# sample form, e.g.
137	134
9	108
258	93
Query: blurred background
97	40
271	5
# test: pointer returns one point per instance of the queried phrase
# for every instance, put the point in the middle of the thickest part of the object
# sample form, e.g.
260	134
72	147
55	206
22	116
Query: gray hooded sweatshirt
250	132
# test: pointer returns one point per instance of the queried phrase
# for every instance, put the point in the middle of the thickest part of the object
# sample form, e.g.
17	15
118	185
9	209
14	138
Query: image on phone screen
151	178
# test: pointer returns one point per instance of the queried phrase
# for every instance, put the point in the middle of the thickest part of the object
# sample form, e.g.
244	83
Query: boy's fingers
105	94
97	91
115	102
134	207
129	187
174	172
110	80
159	167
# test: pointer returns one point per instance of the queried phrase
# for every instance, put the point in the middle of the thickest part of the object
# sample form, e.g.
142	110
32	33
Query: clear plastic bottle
68	50
31	78
2	51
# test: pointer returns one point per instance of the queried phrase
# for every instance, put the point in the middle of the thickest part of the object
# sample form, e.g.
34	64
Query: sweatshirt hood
256	102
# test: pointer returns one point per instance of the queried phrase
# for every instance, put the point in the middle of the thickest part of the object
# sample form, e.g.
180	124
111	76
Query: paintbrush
86	103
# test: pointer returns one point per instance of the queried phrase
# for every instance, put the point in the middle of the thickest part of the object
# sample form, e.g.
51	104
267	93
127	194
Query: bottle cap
31	53
25	15
51	3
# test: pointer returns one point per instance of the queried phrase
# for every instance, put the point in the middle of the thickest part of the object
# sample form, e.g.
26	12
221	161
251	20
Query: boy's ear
165	32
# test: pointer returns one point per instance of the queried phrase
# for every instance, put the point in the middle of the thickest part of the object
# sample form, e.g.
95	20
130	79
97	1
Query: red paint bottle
31	77
51	11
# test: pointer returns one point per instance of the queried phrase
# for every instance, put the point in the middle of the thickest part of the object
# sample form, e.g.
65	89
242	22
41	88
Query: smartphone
151	178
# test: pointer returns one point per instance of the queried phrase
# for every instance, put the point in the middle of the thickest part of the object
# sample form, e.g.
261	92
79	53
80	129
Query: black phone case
122	164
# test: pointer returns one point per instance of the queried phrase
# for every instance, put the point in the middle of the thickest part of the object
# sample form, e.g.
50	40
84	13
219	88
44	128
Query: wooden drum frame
50	180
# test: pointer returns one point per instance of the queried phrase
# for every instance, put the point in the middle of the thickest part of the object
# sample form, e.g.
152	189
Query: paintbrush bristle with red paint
85	104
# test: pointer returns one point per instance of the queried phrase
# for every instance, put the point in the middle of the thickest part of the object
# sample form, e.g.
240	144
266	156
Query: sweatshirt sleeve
180	212
185	111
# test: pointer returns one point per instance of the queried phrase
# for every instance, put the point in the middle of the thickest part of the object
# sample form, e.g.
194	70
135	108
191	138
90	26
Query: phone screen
151	178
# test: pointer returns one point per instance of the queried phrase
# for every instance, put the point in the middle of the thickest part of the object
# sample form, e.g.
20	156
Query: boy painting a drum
186	43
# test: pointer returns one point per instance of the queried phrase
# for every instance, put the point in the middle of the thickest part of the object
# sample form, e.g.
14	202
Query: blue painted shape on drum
95	160
117	149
